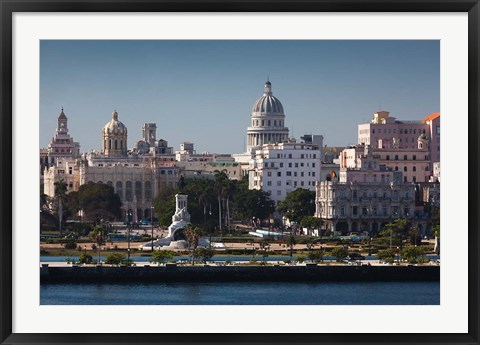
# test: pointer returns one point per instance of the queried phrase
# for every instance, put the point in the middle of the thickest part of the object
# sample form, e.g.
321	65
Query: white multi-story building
280	168
367	196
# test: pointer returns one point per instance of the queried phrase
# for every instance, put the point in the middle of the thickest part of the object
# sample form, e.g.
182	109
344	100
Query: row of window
168	172
63	151
365	211
402	131
62	141
269	123
290	165
125	165
302	156
289	183
405	157
289	173
354	194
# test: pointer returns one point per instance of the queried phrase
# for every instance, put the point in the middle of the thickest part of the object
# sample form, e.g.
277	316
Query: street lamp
151	222
128	234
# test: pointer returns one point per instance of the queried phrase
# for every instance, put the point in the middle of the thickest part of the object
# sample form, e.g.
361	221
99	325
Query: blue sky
203	91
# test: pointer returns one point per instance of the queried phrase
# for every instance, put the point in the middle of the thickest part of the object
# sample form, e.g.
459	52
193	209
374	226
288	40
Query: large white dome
267	104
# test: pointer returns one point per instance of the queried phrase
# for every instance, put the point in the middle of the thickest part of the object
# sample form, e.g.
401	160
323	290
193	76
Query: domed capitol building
268	121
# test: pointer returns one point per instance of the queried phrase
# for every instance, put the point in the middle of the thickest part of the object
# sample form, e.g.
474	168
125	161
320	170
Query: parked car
144	222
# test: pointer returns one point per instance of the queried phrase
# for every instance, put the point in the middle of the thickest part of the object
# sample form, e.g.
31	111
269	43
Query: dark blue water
247	293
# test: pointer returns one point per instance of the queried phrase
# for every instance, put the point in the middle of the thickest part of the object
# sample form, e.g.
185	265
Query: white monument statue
181	218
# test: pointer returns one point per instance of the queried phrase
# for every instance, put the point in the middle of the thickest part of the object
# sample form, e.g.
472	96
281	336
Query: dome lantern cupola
267	104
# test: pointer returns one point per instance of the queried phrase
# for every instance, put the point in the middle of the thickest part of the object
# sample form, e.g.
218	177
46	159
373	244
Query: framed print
237	172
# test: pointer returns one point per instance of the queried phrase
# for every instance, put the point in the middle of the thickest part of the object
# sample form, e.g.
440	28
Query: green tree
60	188
204	254
311	222
414	235
192	236
160	256
298	204
205	201
201	202
164	205
339	253
221	188
436	230
436	233
252	204
265	246
316	255
413	254
398	231
98	202
99	235
115	259
386	255
85	258
291	242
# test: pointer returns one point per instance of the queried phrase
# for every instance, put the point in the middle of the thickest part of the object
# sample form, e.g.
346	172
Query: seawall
173	273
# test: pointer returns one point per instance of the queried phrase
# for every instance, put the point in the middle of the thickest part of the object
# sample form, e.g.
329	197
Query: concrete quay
206	273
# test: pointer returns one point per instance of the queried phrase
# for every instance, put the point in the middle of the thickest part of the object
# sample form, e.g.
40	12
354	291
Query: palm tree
98	236
60	198
221	181
205	200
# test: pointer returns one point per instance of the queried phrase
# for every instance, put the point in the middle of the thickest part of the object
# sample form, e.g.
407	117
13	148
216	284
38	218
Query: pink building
433	122
411	146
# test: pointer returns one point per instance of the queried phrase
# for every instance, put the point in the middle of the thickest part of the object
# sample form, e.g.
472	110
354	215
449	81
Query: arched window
404	168
128	191
110	144
116	144
148	191
138	191
119	189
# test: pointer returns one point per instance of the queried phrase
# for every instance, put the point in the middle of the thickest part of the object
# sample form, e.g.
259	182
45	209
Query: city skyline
326	87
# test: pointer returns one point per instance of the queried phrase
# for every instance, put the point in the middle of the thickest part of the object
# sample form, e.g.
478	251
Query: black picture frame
8	7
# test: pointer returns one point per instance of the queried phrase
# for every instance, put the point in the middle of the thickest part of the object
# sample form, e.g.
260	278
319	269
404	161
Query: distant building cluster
393	171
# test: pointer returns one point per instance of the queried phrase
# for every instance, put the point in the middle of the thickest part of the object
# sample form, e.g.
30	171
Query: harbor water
243	293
